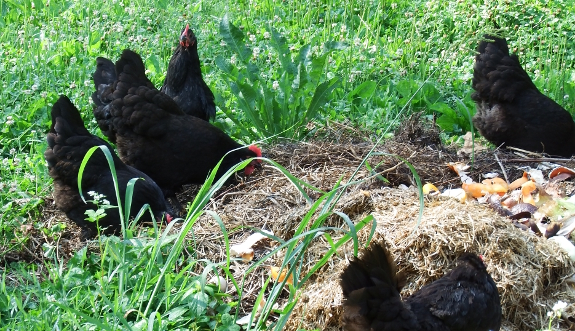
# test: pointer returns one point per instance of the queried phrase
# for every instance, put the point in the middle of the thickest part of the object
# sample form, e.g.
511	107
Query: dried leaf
552	229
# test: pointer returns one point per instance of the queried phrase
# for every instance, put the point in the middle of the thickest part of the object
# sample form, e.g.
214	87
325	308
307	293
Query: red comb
185	33
169	218
256	150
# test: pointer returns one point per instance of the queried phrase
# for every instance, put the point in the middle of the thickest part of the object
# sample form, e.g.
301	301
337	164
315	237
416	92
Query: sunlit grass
400	57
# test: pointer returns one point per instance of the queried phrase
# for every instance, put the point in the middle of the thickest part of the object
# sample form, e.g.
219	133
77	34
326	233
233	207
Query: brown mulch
529	270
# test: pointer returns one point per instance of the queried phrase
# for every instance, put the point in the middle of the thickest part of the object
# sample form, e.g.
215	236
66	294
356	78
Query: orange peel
526	189
276	275
518	182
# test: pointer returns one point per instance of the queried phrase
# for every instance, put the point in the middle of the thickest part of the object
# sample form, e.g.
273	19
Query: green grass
389	50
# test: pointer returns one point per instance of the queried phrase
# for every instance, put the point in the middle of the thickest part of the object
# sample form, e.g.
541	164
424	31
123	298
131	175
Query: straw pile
530	271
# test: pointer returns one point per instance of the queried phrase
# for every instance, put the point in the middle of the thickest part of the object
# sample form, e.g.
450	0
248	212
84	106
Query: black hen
464	299
68	143
184	81
511	110
155	136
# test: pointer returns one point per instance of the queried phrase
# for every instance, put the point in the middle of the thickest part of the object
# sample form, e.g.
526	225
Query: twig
501	166
540	159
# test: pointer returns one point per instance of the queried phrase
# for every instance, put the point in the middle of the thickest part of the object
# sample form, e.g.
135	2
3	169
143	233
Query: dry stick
541	159
501	166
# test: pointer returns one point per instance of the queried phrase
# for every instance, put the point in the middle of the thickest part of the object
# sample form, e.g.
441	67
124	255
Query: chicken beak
184	41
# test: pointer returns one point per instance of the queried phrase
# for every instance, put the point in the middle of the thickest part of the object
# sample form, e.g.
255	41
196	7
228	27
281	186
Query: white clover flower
73	85
233	59
399	52
256	51
267	35
372	49
34	87
223	43
73	60
275	85
44	94
12	151
566	96
559	306
393	5
252	37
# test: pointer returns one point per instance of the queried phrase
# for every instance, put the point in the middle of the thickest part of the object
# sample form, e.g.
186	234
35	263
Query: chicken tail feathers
103	77
375	267
64	111
497	75
130	68
371	287
67	132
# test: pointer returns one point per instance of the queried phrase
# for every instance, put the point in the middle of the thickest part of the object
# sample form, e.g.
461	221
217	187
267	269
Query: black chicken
511	110
155	136
68	143
464	299
183	83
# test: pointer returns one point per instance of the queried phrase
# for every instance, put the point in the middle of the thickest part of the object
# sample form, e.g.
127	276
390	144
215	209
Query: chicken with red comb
184	83
154	135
